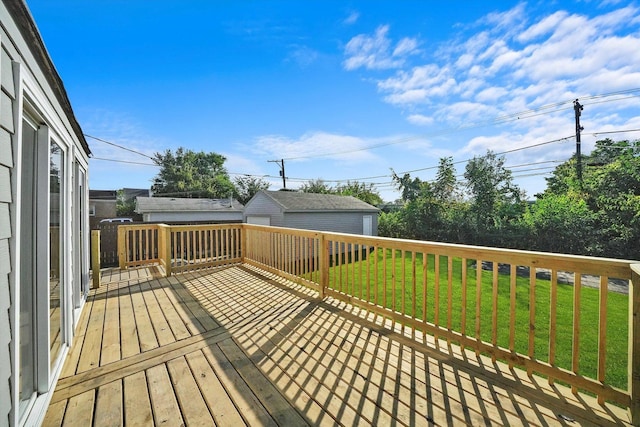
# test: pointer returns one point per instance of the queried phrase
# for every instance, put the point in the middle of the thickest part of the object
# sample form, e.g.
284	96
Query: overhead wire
542	110
545	109
123	161
118	146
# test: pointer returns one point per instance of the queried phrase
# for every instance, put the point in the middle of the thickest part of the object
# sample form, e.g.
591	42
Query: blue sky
344	90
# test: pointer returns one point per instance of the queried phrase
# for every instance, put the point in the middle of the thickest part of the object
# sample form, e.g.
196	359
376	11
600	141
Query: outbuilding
312	211
174	210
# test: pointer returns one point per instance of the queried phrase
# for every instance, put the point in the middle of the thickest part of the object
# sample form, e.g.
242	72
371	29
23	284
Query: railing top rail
178	228
285	230
613	268
138	226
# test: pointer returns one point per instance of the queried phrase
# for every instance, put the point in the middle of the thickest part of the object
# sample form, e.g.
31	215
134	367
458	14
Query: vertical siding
7	98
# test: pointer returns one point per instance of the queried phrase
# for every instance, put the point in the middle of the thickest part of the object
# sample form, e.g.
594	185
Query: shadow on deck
238	346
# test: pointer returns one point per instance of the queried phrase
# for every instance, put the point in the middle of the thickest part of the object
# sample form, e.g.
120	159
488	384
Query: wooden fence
508	304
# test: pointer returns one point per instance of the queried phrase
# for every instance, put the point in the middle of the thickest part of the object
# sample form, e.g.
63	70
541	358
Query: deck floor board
238	346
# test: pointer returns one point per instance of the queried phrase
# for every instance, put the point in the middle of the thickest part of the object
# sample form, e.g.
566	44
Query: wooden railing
138	244
179	248
529	309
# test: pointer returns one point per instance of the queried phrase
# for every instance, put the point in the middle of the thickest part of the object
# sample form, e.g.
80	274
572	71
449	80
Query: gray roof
173	204
294	201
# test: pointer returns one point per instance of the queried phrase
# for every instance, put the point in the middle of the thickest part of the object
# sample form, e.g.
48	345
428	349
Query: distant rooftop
299	201
172	204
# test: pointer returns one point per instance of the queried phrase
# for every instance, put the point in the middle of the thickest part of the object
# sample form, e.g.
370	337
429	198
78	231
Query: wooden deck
237	346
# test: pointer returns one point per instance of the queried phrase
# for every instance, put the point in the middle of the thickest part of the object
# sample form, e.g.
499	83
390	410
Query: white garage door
259	220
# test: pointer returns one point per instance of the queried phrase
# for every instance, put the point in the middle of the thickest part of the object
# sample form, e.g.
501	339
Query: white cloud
303	56
545	26
509	20
406	46
377	52
313	145
352	18
507	62
420	119
418	85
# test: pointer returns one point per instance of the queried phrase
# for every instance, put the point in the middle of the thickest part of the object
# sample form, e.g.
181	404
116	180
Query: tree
247	186
422	215
611	191
360	190
317	186
561	223
496	202
445	187
124	206
190	174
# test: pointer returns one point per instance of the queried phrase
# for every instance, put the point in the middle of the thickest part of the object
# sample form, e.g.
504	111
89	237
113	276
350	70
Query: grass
397	289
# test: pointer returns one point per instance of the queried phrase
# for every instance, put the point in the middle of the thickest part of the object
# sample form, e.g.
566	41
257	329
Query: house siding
262	205
339	222
7	96
29	82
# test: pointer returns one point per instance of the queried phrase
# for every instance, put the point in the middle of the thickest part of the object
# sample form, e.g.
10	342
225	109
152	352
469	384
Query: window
28	336
56	249
41	269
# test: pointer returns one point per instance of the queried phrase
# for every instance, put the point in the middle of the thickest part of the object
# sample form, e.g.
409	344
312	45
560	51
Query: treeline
597	215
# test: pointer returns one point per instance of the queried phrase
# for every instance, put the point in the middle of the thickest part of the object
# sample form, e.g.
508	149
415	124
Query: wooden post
122	247
324	263
244	241
166	243
634	345
95	258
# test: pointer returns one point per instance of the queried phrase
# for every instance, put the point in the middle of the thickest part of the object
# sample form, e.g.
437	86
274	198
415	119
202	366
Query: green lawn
352	278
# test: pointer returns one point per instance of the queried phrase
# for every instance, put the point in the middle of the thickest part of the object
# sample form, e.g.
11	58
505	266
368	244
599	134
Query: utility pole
281	164
578	110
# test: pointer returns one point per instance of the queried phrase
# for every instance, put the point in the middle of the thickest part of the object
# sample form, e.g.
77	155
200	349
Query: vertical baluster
512	307
463	317
436	266
353	272
414	285
393	280
532	313
384	277
575	350
553	316
376	276
494	305
602	332
403	285
449	292
478	299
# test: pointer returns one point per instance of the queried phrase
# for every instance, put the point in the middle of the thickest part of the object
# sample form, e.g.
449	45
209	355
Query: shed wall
339	222
262	205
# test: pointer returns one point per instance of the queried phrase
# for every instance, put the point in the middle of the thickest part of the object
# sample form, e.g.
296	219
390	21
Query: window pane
56	198
27	265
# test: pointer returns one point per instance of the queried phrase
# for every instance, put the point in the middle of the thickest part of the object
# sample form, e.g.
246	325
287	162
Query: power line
614	131
542	110
123	161
455	163
118	146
